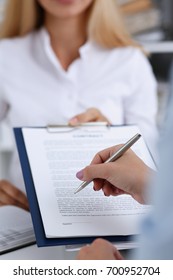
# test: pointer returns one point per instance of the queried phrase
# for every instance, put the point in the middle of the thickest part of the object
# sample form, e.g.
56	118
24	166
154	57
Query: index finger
103	155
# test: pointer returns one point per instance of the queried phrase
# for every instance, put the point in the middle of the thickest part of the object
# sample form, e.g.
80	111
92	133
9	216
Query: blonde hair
105	24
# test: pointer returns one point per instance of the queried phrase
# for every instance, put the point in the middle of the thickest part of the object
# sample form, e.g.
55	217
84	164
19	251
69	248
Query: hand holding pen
129	174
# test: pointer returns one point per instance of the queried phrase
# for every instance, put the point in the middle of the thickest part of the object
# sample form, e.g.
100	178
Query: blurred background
151	23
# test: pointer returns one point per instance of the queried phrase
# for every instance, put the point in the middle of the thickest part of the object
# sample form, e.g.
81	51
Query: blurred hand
10	195
127	175
90	115
100	249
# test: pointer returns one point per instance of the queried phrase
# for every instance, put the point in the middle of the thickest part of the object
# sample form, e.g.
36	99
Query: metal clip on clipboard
56	128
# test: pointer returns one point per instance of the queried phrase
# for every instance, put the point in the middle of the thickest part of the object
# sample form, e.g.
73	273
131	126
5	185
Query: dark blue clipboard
41	239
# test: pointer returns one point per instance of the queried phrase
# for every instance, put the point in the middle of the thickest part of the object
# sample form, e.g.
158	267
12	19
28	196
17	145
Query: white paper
54	160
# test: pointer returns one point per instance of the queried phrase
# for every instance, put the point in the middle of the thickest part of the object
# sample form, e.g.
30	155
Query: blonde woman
70	61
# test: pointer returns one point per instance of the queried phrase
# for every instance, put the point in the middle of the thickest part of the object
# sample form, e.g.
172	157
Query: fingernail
79	174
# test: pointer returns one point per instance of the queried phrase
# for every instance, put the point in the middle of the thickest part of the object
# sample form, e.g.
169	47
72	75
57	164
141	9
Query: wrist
141	191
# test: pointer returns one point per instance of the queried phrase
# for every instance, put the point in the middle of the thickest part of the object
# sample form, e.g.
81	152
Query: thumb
81	118
90	115
95	171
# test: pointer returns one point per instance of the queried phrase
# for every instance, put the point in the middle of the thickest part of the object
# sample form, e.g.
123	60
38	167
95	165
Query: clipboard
41	238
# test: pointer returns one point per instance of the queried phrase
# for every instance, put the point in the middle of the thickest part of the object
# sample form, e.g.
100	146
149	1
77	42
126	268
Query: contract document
55	156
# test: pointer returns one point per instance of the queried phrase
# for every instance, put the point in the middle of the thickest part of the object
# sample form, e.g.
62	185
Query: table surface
34	253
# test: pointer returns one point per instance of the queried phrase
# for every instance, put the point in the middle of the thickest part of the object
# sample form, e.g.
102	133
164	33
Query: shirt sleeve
157	230
171	78
3	103
140	107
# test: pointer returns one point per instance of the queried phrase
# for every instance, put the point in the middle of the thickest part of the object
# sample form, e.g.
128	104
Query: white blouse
35	90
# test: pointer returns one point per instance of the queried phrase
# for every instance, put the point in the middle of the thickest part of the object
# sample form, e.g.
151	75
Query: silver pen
115	156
